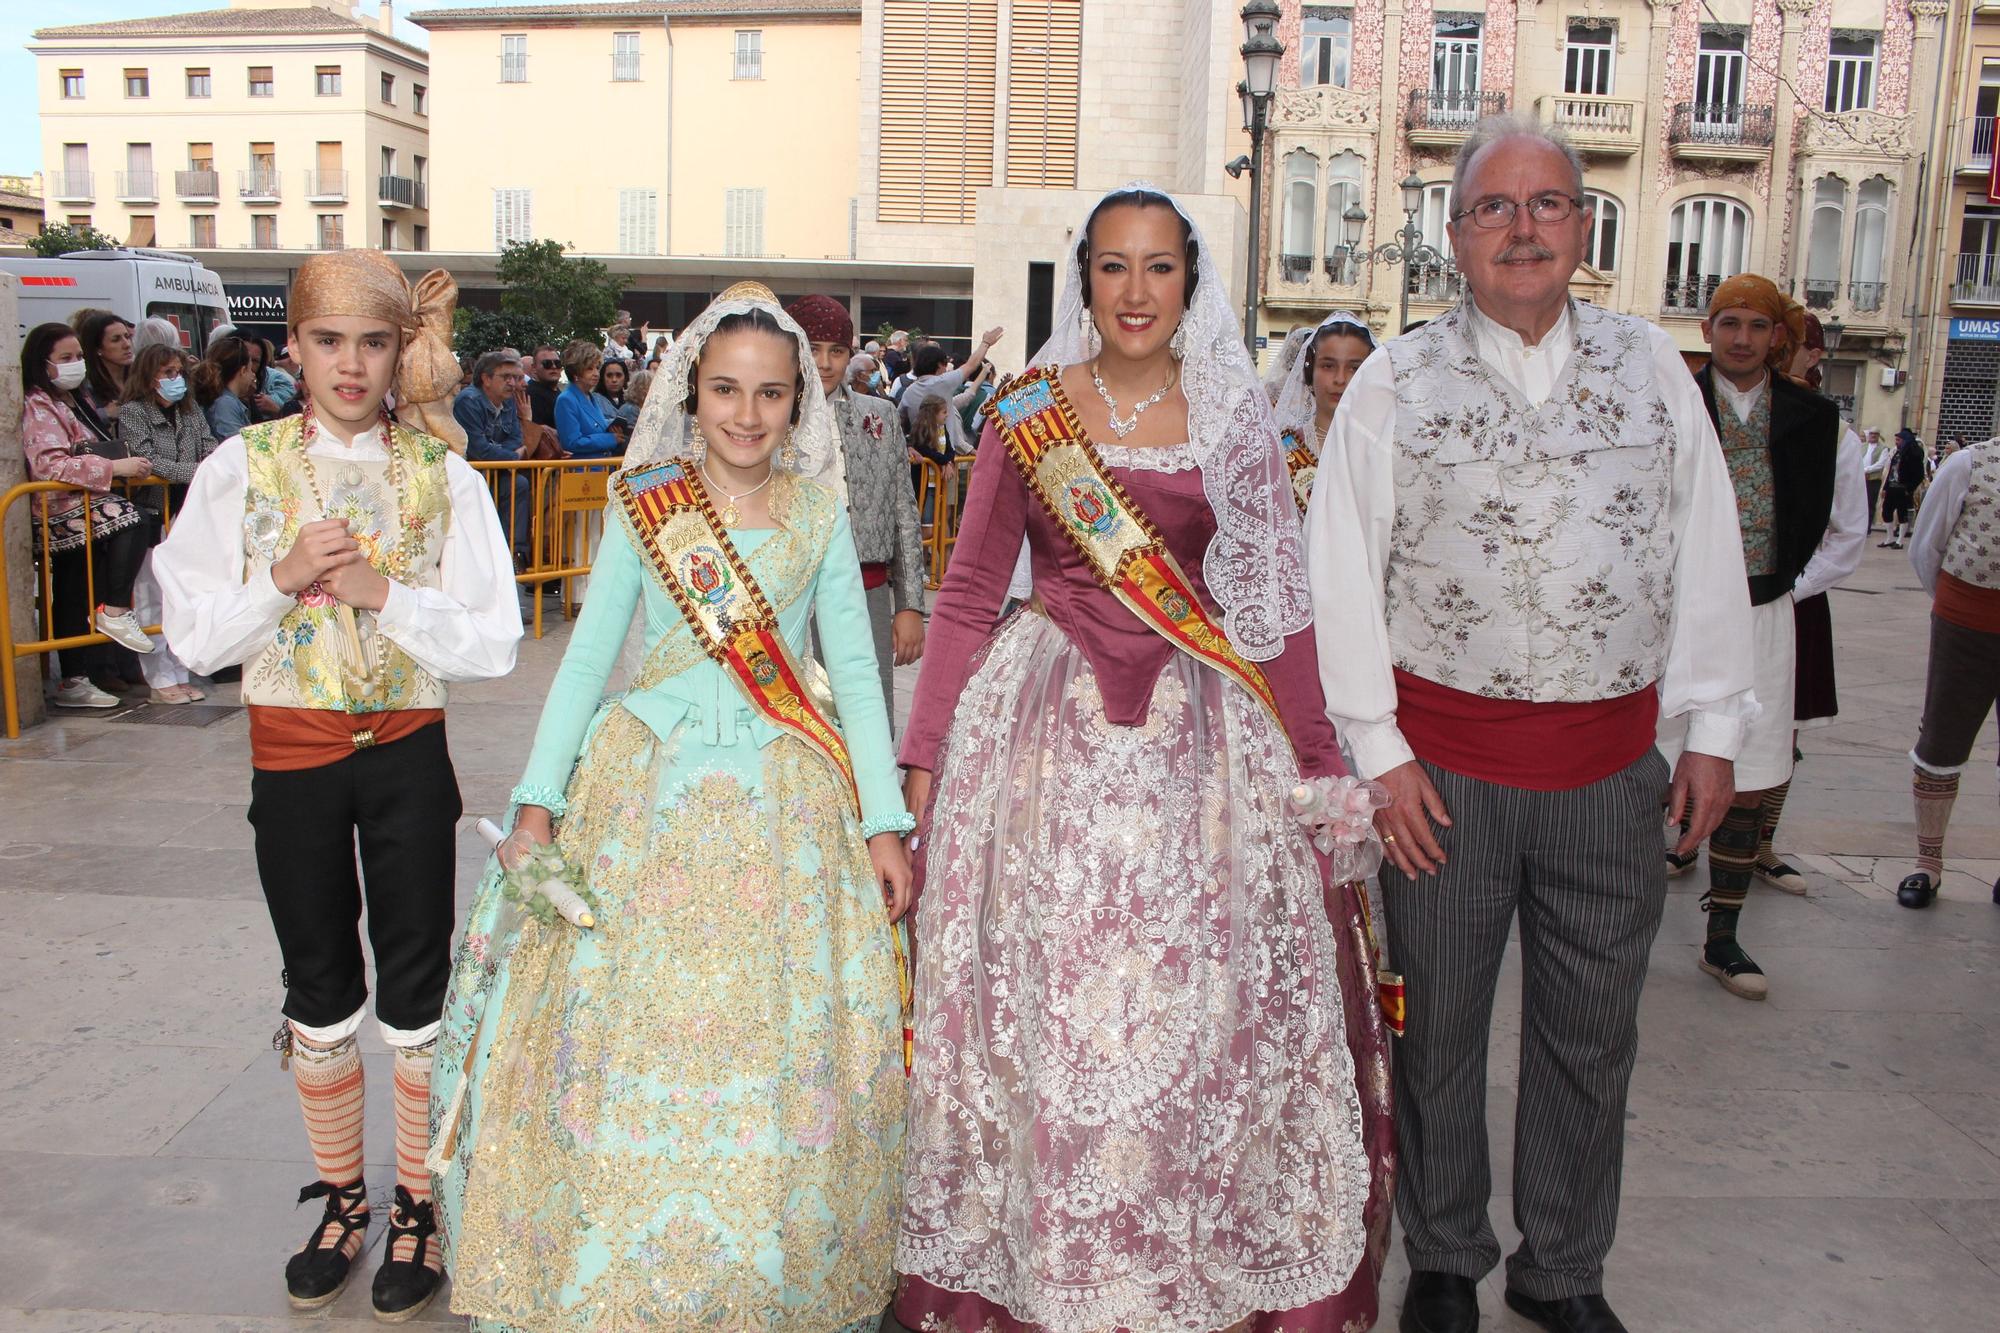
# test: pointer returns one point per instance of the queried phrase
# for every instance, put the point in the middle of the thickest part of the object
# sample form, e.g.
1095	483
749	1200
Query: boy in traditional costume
353	566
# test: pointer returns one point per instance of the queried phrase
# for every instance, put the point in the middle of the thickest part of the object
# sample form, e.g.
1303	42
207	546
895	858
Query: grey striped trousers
1583	870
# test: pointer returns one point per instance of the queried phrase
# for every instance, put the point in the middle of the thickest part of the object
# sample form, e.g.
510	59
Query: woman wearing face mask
156	419
224	382
1314	380
58	447
1150	1086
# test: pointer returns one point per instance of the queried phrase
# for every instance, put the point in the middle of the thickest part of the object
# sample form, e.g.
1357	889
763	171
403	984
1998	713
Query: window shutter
513	216
638	221
1044	82
938	102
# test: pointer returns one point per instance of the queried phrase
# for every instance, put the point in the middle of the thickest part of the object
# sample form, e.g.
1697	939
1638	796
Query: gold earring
788	453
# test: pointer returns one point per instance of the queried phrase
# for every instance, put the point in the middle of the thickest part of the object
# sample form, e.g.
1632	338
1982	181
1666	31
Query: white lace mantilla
1150	458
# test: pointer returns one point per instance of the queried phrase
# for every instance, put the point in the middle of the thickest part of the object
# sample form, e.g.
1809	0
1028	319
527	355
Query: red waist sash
1515	743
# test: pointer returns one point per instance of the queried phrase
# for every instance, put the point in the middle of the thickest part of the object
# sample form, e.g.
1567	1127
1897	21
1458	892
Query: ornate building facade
1721	137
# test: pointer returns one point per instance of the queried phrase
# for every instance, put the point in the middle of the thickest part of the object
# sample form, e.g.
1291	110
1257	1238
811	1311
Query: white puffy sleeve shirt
466	628
1708	671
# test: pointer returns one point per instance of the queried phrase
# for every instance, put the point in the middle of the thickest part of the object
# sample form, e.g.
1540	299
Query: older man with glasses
1551	561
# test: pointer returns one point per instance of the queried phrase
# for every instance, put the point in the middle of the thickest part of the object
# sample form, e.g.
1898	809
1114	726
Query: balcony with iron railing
1821	293
624	67
73	187
200	186
260	185
1606	126
1689	294
138	187
326	187
1295	268
1721	132
1978	280
1867	297
398	192
1978	159
1441	117
1440	284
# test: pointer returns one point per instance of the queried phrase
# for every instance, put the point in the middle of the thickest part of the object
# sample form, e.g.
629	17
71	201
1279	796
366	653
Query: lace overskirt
1135	1102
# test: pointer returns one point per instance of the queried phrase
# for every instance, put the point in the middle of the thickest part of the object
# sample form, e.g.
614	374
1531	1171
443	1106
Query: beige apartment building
1719	137
1955	366
266	125
677	127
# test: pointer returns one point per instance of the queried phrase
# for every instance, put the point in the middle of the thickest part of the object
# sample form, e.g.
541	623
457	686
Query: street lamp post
1408	248
1261	52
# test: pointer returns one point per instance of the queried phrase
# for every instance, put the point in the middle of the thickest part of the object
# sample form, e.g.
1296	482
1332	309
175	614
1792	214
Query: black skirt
1814	697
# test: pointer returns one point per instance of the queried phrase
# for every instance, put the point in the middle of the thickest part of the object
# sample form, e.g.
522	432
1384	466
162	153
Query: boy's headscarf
1750	292
371	285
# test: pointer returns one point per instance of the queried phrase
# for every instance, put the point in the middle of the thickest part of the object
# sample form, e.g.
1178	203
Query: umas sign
1975	330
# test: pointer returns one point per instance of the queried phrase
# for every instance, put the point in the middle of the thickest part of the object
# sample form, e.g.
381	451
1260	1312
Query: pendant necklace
731	515
1123	428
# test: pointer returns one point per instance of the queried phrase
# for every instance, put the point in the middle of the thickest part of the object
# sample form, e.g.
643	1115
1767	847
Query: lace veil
1279	375
1295	400
1255	563
666	429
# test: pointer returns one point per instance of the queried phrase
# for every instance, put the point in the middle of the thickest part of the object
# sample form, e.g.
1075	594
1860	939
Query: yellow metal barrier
10	651
562	502
941	492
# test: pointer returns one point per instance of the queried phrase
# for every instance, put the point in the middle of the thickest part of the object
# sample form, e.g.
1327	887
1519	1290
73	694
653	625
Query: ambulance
135	284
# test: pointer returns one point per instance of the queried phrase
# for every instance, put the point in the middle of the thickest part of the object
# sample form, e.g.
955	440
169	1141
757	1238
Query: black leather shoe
1440	1303
1569	1314
1919	890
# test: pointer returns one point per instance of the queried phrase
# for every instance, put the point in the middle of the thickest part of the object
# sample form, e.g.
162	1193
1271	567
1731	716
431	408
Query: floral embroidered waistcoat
1972	552
1530	555
397	512
1746	448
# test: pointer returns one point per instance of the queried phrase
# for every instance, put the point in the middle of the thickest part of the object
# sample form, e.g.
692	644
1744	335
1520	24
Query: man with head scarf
353	565
1780	442
1550	564
881	507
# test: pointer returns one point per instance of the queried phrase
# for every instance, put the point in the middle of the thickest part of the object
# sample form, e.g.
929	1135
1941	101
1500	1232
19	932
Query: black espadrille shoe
1920	890
316	1275
403	1287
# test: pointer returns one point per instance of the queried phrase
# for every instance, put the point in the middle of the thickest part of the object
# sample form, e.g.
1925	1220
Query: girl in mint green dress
690	1114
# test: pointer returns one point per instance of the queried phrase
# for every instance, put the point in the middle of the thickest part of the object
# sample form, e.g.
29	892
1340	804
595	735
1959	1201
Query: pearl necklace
731	516
1123	428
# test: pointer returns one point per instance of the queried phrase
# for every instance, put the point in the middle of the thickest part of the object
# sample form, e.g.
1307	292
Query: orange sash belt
284	740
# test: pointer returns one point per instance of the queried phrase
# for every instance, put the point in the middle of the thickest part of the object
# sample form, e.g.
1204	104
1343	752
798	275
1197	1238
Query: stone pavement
1828	1160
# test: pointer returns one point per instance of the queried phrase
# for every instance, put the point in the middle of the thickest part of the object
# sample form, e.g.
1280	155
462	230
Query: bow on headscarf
369	284
1748	291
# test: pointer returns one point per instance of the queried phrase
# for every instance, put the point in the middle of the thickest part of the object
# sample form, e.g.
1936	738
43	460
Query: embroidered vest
1972	552
1530	555
1746	447
399	515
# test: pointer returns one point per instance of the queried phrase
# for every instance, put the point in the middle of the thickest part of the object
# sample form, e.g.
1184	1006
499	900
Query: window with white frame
749	54
514	57
1343	191
638	221
1587	58
1829	216
326	81
1301	194
1327	46
138	83
1455	46
1606	217
200	83
1719	65
1434	218
1850	71
1871	235
624	57
1707	240
743	222
513	216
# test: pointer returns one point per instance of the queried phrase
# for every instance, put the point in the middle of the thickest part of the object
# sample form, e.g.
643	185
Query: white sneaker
124	628
78	692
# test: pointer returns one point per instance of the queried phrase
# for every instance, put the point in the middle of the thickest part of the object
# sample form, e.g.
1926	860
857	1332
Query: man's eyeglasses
1492	214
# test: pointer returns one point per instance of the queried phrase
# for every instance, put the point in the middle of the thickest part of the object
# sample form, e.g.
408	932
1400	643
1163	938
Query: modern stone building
266	125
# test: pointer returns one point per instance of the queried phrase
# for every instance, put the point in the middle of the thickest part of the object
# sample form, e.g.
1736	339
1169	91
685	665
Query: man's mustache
1525	250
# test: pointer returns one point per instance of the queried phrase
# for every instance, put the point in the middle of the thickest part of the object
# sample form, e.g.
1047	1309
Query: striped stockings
1773	810
1934	793
330	1094
1732	856
413	1135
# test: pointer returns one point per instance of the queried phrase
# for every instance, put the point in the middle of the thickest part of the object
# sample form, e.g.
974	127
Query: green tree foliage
546	297
60	238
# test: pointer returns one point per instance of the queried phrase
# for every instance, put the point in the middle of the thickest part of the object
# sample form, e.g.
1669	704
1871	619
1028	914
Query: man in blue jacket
485	409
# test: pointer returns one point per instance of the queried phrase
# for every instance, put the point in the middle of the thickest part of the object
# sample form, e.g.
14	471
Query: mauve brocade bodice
1126	655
